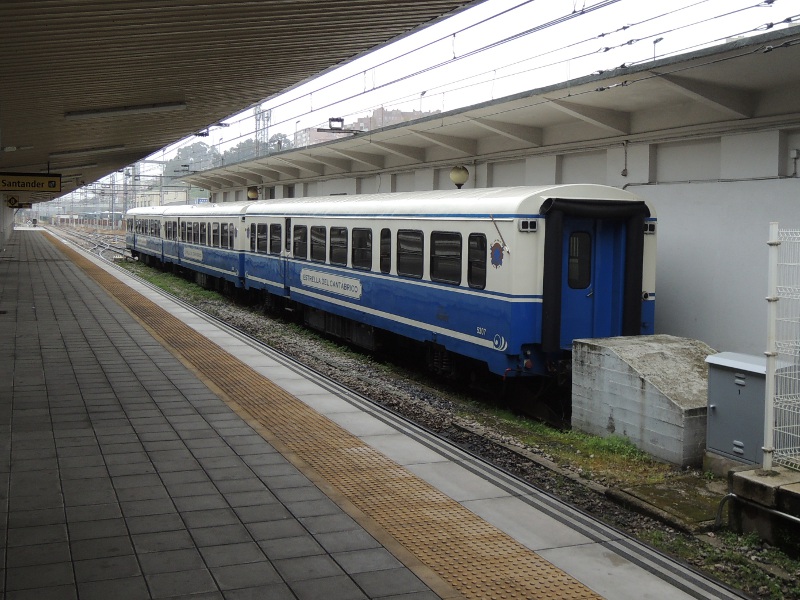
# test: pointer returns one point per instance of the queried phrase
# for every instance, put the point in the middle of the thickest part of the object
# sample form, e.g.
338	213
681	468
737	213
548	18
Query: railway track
102	244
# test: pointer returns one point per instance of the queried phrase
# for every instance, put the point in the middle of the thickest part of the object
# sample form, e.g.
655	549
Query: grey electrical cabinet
735	424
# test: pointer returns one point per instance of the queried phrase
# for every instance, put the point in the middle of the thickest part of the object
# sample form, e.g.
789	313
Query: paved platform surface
124	476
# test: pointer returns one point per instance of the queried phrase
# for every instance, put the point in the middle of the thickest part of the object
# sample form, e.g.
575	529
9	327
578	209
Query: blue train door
593	267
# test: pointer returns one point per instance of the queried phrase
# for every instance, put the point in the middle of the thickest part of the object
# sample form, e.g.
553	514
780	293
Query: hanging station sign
27	182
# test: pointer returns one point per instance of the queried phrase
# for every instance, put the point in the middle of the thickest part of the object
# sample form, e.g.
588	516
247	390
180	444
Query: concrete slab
762	486
532	528
456	481
601	569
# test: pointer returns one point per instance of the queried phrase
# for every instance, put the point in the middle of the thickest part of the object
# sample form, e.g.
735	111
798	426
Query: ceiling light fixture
116	111
98	150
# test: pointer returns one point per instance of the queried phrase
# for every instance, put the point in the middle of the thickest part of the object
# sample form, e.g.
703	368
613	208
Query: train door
592	283
593	262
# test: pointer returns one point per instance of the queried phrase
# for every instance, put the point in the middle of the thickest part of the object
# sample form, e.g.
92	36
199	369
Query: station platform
149	453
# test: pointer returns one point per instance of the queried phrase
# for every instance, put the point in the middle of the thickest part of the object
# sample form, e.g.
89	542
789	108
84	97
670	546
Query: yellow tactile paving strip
473	557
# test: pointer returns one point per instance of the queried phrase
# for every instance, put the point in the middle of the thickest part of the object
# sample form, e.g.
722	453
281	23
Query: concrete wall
6	222
650	389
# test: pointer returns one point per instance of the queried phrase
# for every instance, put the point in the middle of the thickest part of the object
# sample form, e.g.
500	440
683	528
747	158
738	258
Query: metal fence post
771	353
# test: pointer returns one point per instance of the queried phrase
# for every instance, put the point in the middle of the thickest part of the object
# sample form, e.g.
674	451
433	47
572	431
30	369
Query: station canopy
87	88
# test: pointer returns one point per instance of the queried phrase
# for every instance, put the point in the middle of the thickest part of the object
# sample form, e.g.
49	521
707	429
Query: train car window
318	240
189	232
183	232
288	235
386	250
215	235
338	245
262	241
231	235
476	261
579	274
252	237
410	248
158	228
223	235
196	233
275	238
362	248
446	257
300	245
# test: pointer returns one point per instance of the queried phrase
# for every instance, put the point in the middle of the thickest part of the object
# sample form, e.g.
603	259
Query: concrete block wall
649	389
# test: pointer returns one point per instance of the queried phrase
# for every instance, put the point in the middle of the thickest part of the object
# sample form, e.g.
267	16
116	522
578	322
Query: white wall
711	276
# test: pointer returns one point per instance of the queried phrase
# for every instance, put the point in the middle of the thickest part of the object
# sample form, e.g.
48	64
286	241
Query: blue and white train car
508	277
505	276
207	239
204	239
143	234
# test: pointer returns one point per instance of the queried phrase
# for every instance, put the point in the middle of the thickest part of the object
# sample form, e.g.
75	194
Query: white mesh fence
787	345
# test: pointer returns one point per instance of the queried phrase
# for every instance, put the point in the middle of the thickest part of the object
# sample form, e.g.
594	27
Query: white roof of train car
525	200
206	209
480	201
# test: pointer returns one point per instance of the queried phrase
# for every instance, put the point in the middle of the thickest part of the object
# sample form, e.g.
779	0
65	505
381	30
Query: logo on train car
497	254
343	286
500	343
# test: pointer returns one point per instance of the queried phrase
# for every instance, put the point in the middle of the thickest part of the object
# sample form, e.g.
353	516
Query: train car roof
146	211
178	210
453	203
207	209
512	201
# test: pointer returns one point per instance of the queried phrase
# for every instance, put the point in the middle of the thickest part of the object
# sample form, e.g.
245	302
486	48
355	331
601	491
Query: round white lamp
459	175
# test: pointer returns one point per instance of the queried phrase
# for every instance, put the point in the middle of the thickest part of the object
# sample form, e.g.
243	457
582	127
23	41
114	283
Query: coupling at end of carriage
501	278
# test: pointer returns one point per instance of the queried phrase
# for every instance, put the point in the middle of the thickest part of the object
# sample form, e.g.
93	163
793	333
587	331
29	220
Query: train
498	279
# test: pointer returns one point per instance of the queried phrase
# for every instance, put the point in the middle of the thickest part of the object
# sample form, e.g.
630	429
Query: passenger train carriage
507	277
